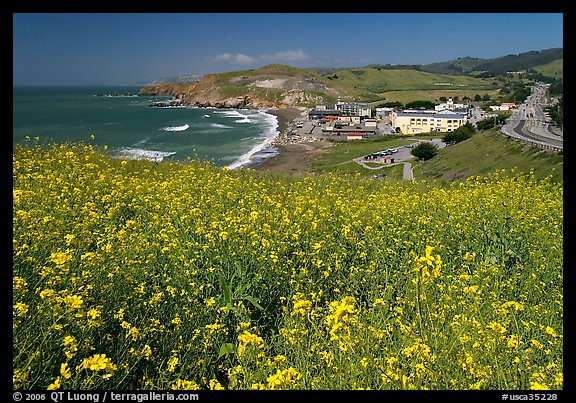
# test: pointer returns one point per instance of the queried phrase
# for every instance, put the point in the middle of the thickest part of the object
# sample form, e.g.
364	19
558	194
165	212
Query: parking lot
398	155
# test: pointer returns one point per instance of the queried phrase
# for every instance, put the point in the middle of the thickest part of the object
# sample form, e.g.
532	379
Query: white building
354	108
506	106
450	105
382	113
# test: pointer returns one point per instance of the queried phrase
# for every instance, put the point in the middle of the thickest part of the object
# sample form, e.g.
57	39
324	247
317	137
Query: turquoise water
131	129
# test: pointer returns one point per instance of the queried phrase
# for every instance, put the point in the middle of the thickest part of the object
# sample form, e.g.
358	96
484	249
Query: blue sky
137	48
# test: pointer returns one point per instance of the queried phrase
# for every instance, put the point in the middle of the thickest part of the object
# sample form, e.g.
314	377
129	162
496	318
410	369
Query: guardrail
530	141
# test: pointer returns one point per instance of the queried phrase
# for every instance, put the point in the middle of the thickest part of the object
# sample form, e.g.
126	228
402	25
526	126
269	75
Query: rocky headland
273	86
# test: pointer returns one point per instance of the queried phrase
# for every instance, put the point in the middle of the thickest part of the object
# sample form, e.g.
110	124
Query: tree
477	97
486	124
556	112
425	151
443	99
391	104
420	104
462	133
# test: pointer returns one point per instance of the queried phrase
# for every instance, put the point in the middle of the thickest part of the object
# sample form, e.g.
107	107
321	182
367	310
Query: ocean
123	121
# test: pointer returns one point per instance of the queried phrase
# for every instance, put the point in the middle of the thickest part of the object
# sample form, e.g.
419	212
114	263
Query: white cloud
288	55
237	58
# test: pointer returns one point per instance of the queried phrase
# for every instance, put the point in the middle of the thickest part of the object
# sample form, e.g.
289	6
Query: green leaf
225	289
232	308
253	302
225	349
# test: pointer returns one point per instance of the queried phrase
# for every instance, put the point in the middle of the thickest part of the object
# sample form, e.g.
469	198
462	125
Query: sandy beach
285	116
292	157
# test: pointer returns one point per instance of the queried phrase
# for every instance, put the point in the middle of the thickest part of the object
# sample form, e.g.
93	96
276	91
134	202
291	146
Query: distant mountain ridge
468	65
521	61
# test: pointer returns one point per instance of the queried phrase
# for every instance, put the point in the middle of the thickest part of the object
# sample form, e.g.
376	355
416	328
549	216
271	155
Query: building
428	111
351	132
463	112
316	114
450	105
354	108
347	108
506	106
384	112
414	123
349	120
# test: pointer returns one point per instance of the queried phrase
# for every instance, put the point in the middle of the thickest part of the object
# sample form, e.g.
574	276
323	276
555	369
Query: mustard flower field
141	275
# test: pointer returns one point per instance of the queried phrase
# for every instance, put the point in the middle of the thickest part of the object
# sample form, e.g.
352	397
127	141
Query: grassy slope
388	80
370	84
458	66
485	152
406	96
553	69
338	158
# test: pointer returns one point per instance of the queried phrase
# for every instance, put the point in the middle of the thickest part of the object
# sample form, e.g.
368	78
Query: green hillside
472	65
486	152
407	96
365	83
554	69
372	82
462	65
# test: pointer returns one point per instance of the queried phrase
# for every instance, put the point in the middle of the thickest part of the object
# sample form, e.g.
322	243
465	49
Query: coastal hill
274	85
280	86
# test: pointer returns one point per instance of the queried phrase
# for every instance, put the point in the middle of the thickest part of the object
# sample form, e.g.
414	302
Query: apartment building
414	123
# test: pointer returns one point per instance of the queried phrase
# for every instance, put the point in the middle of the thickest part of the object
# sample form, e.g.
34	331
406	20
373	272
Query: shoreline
287	155
285	117
273	149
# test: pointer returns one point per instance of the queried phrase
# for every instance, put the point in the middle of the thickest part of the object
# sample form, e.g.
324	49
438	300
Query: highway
529	123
